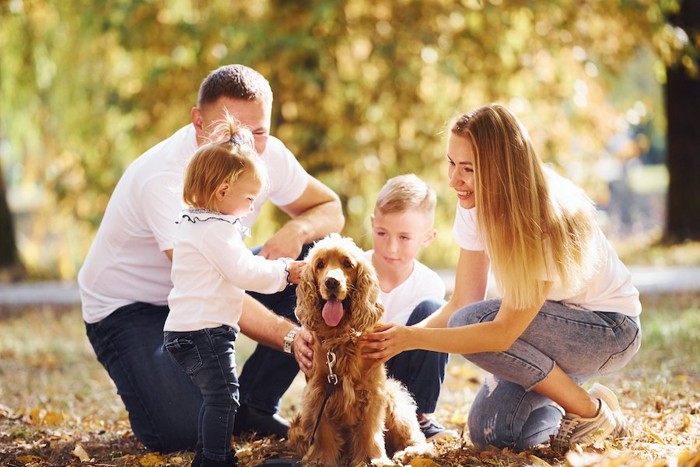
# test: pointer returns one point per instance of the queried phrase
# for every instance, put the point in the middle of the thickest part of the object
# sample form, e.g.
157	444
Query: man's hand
315	214
285	243
303	352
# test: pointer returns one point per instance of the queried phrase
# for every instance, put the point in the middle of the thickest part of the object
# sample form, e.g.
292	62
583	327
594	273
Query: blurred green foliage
363	91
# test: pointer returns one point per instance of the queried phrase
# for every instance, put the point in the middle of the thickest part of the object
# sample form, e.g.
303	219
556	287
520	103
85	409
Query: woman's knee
475	313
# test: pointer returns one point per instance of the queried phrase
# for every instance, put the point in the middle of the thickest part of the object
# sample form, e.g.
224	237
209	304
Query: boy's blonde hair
224	160
406	192
533	222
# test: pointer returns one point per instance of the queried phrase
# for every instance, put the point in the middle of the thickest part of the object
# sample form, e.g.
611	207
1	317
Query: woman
568	310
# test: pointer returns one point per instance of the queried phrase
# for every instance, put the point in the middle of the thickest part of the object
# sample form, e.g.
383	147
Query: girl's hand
296	268
385	342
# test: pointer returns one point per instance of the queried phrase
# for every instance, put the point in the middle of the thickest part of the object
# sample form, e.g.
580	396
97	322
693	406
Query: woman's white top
608	288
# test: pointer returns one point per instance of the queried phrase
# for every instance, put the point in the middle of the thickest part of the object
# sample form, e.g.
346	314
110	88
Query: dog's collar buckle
330	361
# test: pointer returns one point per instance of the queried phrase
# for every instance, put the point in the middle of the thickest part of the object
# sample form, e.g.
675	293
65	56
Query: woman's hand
303	352
387	341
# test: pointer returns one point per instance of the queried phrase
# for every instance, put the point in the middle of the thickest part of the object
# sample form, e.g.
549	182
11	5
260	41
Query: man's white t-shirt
609	288
422	284
126	263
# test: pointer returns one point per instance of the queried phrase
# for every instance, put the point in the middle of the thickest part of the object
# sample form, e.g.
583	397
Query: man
125	280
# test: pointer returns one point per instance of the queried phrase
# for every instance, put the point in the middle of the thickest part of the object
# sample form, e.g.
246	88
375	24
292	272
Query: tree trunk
682	94
11	267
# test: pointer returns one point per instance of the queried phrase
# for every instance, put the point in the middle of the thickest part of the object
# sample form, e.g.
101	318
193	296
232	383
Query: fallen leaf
423	462
53	418
151	460
29	459
653	434
686	422
81	454
537	462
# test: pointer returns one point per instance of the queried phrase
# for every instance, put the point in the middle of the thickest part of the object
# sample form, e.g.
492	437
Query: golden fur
367	413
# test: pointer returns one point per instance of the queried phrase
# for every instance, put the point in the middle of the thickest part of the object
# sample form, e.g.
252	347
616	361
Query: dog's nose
331	283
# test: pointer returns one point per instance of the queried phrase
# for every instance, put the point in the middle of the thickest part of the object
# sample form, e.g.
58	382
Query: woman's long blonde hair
230	154
533	223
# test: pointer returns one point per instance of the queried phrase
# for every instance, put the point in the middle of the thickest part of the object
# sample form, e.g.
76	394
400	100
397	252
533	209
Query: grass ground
58	407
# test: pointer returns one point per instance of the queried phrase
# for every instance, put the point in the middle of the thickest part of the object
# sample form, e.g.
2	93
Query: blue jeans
208	357
421	371
268	373
162	401
585	344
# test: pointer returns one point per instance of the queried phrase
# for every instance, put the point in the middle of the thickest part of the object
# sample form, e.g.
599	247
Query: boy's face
253	115
398	237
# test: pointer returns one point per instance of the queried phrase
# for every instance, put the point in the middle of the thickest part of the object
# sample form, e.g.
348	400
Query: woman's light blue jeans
585	344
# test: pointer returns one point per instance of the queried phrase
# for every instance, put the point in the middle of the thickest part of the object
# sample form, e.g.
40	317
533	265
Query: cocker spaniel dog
351	411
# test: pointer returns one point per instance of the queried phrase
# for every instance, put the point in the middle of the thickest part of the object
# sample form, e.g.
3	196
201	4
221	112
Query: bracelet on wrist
288	346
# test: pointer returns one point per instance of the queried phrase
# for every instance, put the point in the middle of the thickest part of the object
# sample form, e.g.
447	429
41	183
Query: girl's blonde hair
230	154
534	224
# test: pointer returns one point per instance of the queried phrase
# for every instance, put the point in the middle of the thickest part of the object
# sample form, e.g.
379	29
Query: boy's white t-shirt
422	284
126	263
212	269
609	288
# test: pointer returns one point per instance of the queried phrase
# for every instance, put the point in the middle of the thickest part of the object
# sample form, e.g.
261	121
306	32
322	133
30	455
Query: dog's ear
366	311
307	293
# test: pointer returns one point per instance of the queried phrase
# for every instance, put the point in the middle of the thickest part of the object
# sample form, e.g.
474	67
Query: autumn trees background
363	90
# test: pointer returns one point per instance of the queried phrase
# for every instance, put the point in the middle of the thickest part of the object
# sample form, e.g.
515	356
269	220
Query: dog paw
381	462
425	449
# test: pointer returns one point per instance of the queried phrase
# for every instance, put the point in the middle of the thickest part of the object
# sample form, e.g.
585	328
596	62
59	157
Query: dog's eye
348	264
319	264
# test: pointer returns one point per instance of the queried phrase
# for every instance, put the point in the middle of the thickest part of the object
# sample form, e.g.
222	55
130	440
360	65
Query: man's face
253	115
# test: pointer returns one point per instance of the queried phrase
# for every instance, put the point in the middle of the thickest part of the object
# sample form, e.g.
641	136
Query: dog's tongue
332	312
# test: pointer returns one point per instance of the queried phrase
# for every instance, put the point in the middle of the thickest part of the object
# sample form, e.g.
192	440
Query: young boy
402	224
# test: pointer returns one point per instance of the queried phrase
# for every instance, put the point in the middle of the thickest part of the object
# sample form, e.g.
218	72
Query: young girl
212	269
568	311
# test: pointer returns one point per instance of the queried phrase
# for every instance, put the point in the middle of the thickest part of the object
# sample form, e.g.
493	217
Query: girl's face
460	156
237	198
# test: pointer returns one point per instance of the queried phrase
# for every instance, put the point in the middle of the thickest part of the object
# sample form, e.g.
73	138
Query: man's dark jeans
162	401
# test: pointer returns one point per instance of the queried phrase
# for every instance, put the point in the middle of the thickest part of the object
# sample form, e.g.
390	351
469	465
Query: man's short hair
235	82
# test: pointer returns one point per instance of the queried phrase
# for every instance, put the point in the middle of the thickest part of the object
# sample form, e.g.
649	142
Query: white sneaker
606	395
433	429
578	430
